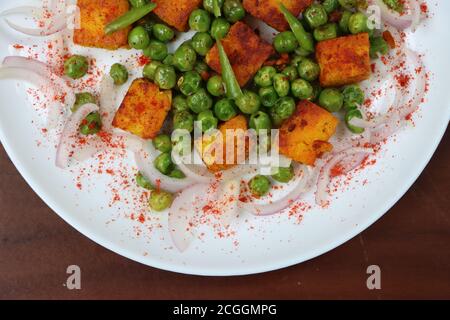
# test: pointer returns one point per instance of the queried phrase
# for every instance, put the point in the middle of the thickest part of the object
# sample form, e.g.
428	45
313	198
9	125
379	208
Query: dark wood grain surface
411	244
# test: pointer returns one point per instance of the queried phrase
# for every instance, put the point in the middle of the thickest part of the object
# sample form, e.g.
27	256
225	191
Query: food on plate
94	17
144	109
344	60
252	114
246	50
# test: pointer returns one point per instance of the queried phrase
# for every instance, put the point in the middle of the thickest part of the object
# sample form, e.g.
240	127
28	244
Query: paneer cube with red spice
176	12
344	60
144	109
304	136
245	50
269	12
94	16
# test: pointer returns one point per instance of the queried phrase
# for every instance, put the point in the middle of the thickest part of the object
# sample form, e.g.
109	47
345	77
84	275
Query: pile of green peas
200	95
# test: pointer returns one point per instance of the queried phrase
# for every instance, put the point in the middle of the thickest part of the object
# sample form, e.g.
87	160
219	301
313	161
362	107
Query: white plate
260	244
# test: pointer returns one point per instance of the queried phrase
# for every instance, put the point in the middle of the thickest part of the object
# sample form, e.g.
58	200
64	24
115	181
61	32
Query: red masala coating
246	52
267	11
344	60
176	12
144	109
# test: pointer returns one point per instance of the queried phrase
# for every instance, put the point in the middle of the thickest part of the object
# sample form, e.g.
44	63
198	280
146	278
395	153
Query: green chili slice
229	78
129	18
301	35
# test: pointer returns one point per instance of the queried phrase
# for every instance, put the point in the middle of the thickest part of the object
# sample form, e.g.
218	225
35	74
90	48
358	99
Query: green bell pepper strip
216	8
232	86
301	35
129	18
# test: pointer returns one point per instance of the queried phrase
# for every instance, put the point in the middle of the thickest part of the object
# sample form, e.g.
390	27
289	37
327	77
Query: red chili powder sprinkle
403	80
143	60
17	46
424	7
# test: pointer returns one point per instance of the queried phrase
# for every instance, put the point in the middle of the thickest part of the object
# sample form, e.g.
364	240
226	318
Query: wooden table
411	244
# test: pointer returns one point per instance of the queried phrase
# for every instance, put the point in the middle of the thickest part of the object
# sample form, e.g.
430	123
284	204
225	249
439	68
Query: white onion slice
67	143
302	175
23	10
46	71
184	214
107	101
228	201
197	172
57	24
322	196
393	18
144	161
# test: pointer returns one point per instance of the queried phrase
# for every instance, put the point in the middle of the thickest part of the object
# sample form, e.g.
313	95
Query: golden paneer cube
344	60
245	50
176	12
94	16
217	162
304	136
269	12
144	109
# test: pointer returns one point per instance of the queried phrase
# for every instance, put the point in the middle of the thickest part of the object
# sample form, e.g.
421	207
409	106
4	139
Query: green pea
315	15
76	67
264	76
326	32
284	175
233	10
348	4
268	96
220	28
202	42
81	99
150	69
156	50
143	182
177	174
330	5
138	3
378	46
147	24
165	77
281	84
168	60
162	32
260	121
248	102
92	124
208	5
343	22
215	86
225	109
284	108
183	120
189	83
291	72
353	113
285	42
200	101
353	97
138	38
160	200
119	73
179	103
163	163
302	51
207	120
202	68
302	89
295	61
317	89
200	20
162	143
259	185
331	99
358	23
184	58
308	70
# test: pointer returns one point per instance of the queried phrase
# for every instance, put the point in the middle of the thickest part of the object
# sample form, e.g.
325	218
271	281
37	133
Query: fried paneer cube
304	136
144	109
94	16
344	60
245	50
176	12
269	12
216	161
